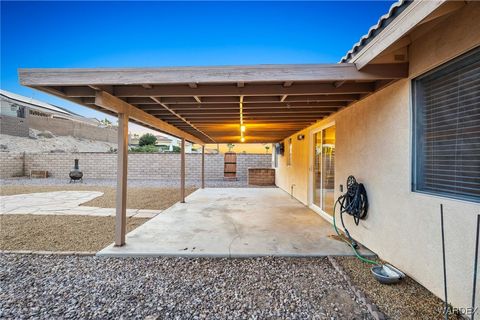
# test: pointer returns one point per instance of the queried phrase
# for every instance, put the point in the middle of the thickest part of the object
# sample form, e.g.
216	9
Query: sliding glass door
323	169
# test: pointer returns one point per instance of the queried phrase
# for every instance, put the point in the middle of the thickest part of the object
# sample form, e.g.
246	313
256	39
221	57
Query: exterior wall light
300	137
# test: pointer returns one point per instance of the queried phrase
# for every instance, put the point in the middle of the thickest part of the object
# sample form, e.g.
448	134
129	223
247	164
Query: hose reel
355	203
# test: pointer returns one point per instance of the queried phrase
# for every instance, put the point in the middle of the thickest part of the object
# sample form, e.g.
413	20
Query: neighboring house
19	114
164	142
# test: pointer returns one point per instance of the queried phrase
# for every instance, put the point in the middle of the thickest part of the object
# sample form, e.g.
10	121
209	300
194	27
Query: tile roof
395	9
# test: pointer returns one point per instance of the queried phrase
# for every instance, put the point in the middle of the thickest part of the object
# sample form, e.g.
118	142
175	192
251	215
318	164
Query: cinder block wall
11	165
261	176
13	126
141	165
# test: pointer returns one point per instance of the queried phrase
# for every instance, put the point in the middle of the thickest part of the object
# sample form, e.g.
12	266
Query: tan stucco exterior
373	143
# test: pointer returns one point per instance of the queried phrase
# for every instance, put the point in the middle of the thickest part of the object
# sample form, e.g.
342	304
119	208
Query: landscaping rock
46	287
46	134
405	300
32	133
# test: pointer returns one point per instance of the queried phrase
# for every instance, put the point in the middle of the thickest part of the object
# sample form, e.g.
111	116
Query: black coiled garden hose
354	202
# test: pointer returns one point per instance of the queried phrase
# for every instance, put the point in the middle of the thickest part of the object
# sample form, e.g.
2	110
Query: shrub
147	139
163	148
147	148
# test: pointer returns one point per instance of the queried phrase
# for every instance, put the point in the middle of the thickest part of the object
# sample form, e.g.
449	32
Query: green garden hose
348	242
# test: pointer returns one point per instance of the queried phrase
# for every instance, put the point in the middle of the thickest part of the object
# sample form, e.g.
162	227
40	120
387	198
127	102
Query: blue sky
149	34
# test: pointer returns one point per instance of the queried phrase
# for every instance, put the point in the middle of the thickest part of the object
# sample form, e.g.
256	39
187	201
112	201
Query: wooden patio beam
112	103
182	171
122	172
225	90
219	122
251	106
203	167
172	101
218	112
182	118
169	91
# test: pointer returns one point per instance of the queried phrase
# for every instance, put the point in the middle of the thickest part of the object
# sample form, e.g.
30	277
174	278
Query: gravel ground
59	233
154	198
131	183
46	287
405	300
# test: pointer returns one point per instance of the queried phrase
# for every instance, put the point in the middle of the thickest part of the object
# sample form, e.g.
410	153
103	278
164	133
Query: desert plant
267	147
230	147
147	139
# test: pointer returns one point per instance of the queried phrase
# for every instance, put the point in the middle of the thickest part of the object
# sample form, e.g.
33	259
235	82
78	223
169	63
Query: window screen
447	129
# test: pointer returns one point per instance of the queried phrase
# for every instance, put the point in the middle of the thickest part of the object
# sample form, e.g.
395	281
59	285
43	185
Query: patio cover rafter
112	103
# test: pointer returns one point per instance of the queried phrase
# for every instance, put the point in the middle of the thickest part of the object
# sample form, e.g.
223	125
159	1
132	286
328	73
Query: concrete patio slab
63	203
240	222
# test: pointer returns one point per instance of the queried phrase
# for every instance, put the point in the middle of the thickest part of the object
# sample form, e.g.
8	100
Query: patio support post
182	172
203	167
122	169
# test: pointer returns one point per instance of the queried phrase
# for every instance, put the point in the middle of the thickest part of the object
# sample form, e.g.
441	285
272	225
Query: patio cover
208	104
212	104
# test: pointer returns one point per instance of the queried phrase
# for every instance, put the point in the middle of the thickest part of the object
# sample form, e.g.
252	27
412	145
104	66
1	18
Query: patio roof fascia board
405	22
112	103
209	75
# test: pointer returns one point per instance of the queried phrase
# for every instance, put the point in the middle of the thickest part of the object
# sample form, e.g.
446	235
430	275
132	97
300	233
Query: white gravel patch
71	287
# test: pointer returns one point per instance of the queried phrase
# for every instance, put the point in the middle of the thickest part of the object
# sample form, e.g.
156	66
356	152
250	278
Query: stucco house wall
373	143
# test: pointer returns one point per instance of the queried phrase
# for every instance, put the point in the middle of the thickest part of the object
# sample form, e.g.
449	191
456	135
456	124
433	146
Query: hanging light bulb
242	139
242	128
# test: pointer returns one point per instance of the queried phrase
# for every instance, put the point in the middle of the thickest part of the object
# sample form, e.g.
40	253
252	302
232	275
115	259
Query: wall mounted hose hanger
355	203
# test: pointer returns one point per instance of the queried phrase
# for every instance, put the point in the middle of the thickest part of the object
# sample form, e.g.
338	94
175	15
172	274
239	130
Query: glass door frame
311	180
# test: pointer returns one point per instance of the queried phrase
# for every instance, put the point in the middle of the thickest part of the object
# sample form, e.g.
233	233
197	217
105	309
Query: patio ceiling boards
202	104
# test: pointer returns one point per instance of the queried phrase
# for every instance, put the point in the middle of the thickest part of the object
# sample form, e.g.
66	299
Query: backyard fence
140	165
